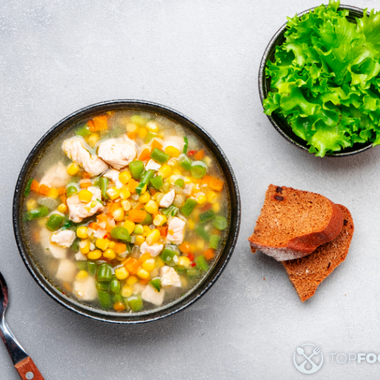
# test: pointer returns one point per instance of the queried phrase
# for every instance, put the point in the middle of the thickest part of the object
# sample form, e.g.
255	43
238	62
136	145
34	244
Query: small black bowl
279	123
193	294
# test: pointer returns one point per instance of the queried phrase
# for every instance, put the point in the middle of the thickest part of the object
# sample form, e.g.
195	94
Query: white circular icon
308	358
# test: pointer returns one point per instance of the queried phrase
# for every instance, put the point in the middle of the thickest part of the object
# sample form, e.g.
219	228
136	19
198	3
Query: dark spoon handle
28	370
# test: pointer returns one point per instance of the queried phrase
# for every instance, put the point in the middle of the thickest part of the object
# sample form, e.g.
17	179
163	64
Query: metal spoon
22	362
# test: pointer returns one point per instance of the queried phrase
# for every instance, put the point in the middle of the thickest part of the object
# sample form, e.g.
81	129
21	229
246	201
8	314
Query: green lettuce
325	79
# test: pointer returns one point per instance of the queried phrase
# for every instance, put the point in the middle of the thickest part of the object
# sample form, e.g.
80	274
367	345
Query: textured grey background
200	57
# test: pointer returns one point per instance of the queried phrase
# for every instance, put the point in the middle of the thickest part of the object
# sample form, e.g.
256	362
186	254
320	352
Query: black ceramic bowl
278	122
193	294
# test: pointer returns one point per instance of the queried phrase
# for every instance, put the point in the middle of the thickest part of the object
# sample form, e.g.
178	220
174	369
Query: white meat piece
79	256
188	189
117	152
66	270
176	231
169	277
167	199
113	175
175	141
63	238
138	288
85	290
49	248
56	176
150	294
76	151
154	249
152	165
79	210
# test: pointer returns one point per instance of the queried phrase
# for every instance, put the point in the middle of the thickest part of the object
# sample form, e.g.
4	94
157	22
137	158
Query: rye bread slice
293	223
308	272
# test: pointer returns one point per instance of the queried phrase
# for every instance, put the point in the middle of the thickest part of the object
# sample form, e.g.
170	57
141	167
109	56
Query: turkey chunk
49	247
167	199
85	290
154	249
63	238
152	165
75	150
117	152
176	231
56	176
150	294
66	270
169	277
113	175
79	211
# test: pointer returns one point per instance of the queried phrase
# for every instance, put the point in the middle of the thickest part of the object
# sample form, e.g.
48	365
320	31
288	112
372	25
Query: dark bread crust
279	203
308	272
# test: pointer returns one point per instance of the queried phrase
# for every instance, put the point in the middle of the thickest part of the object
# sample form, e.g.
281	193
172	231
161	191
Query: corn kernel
93	139
184	262
82	232
132	280
165	171
131	127
200	244
208	161
151	207
147	230
142	273
53	193
152	126
139	229
139	239
31	204
201	200
126	205
118	215
153	237
109	254
159	262
144	198
84	246
85	196
187	180
145	257
124	192
42	222
130	226
190	224
216	207
149	265
62	208
72	169
159	220
121	273
142	132
125	176
95	255
127	290
172	151
102	243
113	193
82	275
211	196
111	244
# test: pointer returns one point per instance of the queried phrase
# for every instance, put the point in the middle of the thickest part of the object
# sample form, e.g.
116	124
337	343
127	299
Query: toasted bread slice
308	272
293	223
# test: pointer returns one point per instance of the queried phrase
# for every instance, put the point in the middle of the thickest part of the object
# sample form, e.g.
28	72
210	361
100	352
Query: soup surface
126	211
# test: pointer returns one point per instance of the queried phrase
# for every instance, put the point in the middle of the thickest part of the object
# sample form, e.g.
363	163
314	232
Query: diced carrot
131	135
213	183
61	190
85	175
112	207
120	247
199	155
119	306
44	190
98	123
138	206
152	191
132	184
67	286
209	253
163	231
101	218
137	216
184	247
143	282
34	186
85	183
132	265
94	226
145	154
156	144
63	198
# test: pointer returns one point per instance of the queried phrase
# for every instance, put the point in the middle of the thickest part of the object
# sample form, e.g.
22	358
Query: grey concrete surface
200	57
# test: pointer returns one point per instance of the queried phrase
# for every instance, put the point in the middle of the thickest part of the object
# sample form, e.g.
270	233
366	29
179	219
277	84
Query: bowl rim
191	295
263	90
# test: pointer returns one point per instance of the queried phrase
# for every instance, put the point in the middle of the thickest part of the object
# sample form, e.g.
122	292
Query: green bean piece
188	207
135	302
179	182
83	131
136	168
120	233
96	182
148	219
170	211
103	286
105	299
37	213
139	229
75	246
145	178
160	156
214	241
198	169
200	230
140	121
157	182
104	273
115	286
169	256
149	137
220	222
201	263
117	298
185	162
54	222
186	144
103	182
207	215
156	283
92	267
27	187
192	273
71	190
81	265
